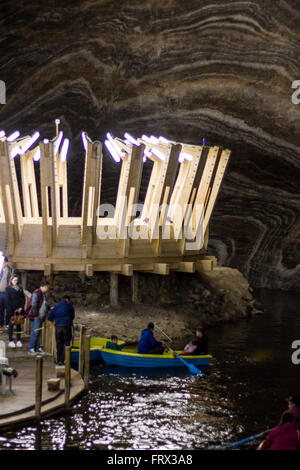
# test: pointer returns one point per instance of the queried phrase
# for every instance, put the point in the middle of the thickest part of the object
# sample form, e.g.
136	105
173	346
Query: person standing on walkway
15	302
5	276
36	311
63	314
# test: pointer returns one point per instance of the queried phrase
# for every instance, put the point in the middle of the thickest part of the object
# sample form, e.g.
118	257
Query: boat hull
134	360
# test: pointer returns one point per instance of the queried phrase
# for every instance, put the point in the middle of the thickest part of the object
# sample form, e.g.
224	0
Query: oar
247	439
193	369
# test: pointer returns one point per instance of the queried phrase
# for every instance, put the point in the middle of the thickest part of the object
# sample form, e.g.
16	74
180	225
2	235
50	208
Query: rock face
222	70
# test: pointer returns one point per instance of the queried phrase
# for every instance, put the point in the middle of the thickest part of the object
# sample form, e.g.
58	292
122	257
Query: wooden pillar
114	289
87	341
135	288
38	386
91	195
67	375
11	203
81	350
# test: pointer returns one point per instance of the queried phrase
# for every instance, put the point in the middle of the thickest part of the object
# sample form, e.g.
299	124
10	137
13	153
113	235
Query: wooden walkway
19	407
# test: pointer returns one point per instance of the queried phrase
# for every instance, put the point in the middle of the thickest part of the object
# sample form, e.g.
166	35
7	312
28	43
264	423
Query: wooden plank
204	265
91	194
216	186
184	267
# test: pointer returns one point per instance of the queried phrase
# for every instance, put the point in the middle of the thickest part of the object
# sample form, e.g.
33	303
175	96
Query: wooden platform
19	407
168	233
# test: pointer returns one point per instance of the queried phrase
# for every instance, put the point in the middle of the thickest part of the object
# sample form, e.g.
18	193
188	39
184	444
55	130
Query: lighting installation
115	145
13	136
29	143
158	154
64	150
57	142
2	258
2	134
84	141
163	140
112	151
15	151
131	139
37	154
185	156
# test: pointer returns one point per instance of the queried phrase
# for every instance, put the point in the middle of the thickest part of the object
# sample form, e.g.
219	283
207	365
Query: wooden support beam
48	269
127	269
184	267
194	228
29	190
89	270
10	198
114	290
135	288
216	186
204	265
91	195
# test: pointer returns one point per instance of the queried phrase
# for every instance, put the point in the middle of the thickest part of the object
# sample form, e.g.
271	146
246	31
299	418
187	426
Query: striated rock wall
222	70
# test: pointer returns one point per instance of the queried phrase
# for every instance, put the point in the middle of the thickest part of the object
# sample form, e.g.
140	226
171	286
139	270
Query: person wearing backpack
36	311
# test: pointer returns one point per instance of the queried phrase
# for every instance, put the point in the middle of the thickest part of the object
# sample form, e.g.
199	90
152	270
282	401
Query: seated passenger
198	346
113	344
148	344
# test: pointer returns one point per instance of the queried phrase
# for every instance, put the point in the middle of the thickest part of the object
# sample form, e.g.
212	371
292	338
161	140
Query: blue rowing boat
96	345
131	359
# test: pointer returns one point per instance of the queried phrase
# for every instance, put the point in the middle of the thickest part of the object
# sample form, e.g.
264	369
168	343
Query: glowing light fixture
58	142
37	154
15	151
2	134
84	141
112	151
185	156
64	150
158	154
2	258
131	139
46	141
29	143
13	136
115	145
163	140
154	140
146	139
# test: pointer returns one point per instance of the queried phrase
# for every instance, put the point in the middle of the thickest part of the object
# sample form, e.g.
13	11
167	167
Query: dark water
244	393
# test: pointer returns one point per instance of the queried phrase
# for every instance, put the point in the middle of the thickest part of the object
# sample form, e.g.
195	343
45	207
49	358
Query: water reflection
243	394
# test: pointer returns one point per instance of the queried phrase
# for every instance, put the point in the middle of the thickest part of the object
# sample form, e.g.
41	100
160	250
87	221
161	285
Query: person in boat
63	314
198	346
284	437
148	344
294	409
113	344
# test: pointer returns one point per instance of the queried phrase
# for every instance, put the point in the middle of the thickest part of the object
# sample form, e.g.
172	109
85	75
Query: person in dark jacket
15	301
63	314
198	346
148	344
36	311
5	275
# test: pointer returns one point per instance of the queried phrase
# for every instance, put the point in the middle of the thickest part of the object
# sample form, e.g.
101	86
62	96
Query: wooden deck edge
53	406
